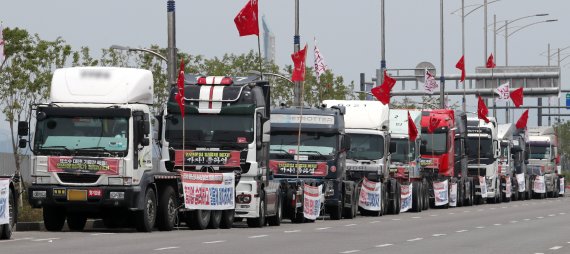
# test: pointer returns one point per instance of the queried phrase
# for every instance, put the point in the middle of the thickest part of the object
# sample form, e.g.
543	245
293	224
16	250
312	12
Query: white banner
521	182
561	186
430	84
440	191
312	201
208	191
453	195
483	186
508	187
4	201
406	197
539	185
503	93
370	197
320	66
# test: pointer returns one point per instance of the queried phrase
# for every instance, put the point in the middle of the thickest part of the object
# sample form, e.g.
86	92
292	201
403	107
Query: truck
508	189
443	157
309	147
367	124
484	151
9	195
225	129
520	156
543	161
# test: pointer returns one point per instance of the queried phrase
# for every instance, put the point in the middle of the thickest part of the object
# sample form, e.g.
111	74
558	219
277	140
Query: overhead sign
518	76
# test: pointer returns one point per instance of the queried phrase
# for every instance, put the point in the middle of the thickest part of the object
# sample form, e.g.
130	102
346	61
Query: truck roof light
215	80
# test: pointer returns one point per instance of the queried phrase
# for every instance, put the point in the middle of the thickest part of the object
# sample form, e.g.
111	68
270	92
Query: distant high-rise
268	42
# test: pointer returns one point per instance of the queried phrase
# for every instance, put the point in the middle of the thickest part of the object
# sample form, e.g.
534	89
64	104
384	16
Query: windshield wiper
280	150
95	148
50	147
315	152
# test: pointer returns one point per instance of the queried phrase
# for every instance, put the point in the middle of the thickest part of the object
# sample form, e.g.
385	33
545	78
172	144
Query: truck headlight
39	194
117	195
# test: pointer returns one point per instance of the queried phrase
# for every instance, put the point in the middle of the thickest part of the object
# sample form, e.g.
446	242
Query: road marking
257	236
374	221
556	247
396	219
451	213
527	219
292	231
168	248
480	210
514	221
350	251
503	207
13	240
219	241
437	235
540	217
461	231
383	245
45	239
479	227
466	211
561	213
323	228
96	234
493	208
416	217
497	224
551	215
349	225
434	215
415	239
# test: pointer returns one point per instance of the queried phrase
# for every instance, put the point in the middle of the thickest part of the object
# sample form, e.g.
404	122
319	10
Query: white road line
415	239
551	215
96	234
374	221
219	241
556	247
493	208
503	207
540	217
257	236
168	248
434	215
480	227
292	231
466	211
349	225
45	239
514	221
396	219
322	228
437	235
497	224
13	240
527	219
480	210
350	251
383	245
561	213
416	217
461	231
451	213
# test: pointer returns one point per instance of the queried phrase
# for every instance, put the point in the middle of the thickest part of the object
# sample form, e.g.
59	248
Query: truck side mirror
526	156
392	148
145	142
22	143
423	147
23	128
345	143
266	131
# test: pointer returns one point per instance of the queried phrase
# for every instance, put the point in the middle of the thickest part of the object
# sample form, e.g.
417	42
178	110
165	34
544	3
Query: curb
39	226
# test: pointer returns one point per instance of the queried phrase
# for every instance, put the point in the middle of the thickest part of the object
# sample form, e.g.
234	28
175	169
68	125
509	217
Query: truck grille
475	172
77	178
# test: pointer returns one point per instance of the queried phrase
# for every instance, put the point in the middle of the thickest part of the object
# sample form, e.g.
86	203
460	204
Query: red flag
517	96
491	62
521	123
412	130
461	66
433	123
382	92
180	94
246	20
299	63
482	110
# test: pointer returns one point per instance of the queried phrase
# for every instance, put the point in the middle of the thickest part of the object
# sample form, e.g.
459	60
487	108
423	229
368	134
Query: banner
521	182
312	201
4	201
508	187
208	191
561	186
100	166
370	197
483	186
207	158
293	168
430	84
503	93
406	197
441	193
453	195
539	185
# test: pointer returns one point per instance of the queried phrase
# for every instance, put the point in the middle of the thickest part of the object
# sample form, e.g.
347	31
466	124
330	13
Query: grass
26	213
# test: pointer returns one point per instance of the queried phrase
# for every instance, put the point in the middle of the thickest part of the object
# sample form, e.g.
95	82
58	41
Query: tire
416	204
336	212
349	212
259	222
215	219
398	203
425	195
298	218
145	219
460	198
76	222
276	219
6	230
228	217
167	210
54	218
198	219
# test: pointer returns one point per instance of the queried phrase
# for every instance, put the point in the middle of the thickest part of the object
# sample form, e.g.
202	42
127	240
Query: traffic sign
568	101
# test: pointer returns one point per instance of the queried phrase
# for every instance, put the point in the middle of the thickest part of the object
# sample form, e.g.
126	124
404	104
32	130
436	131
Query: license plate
77	195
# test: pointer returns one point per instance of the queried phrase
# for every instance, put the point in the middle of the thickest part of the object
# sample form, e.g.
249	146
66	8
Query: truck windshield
405	151
480	148
435	143
366	147
504	150
209	129
539	152
312	143
67	135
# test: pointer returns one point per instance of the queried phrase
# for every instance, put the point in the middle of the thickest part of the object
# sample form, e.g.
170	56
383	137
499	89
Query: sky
348	32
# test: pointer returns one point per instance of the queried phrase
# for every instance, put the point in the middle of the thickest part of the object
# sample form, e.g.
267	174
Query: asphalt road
534	226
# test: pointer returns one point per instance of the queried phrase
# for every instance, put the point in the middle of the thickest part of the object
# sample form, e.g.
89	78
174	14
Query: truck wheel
167	210
425	195
336	212
349	212
276	219
298	218
54	218
228	217
398	197
76	222
416	198
259	222
198	219
215	219
7	229
145	219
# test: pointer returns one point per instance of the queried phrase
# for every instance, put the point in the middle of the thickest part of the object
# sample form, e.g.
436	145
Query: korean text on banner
312	201
561	186
453	195
208	191
4	201
483	186
406	198
440	191
539	185
508	187
521	182
370	195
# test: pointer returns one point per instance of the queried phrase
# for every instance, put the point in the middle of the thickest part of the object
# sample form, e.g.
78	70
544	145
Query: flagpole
260	58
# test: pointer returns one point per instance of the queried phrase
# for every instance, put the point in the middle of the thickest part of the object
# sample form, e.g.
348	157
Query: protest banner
521	182
208	191
441	193
370	195
312	201
406	197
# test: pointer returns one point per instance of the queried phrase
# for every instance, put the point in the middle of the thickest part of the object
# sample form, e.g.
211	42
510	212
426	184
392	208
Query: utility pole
442	77
485	30
463	49
380	77
298	101
171	51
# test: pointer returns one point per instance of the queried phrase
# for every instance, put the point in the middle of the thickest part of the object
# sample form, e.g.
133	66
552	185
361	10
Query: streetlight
119	47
